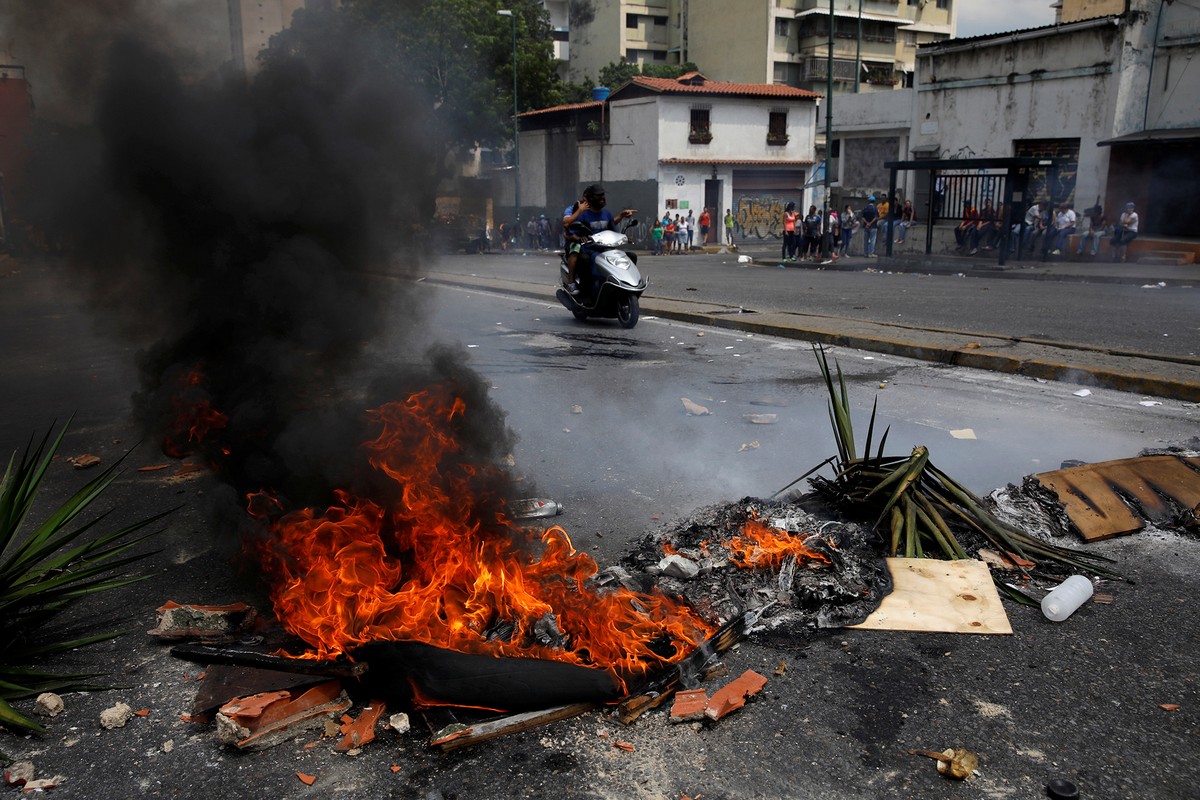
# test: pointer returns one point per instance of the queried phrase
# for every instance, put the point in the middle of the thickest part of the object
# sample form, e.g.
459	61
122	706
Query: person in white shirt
683	234
1124	232
1064	226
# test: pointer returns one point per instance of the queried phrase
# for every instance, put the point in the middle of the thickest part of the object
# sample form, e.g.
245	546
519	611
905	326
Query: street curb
1041	368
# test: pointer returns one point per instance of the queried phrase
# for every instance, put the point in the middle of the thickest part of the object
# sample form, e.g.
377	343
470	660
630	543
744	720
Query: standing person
1097	225
790	222
939	197
870	221
683	234
1124	232
705	224
656	237
833	224
668	234
728	226
1064	226
908	216
812	235
691	228
850	226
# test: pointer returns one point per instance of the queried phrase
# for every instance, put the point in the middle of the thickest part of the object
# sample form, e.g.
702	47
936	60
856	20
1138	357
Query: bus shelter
1014	182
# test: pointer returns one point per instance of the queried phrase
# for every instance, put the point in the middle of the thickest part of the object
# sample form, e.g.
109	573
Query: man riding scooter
590	211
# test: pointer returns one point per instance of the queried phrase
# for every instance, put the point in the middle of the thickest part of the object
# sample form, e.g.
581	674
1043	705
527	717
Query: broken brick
689	705
732	696
205	623
307	780
626	746
266	719
357	732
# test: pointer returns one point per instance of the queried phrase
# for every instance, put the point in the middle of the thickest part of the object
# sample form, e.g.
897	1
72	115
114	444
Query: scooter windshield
610	238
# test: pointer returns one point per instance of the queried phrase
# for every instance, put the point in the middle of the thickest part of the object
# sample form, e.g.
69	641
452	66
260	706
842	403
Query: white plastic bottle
1066	597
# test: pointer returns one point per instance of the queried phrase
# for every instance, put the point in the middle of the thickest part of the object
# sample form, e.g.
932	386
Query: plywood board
940	597
1117	497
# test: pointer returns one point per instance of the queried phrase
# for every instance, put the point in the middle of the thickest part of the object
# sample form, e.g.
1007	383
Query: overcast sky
977	17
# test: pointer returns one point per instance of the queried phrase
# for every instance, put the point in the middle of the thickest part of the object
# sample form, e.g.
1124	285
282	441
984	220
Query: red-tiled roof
737	162
704	86
567	107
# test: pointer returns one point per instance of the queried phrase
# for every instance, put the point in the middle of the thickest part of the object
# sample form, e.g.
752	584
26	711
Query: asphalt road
1079	699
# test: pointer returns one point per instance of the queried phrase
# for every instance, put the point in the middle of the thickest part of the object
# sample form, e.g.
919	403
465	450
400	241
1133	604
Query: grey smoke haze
241	223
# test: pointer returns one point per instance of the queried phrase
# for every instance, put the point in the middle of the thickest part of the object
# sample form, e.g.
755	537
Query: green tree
621	72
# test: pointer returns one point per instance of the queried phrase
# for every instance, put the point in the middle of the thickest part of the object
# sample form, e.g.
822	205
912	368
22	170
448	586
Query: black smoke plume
244	225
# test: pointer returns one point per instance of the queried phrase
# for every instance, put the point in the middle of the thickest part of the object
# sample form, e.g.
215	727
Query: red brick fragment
626	746
357	732
307	780
178	622
267	718
690	704
144	712
732	696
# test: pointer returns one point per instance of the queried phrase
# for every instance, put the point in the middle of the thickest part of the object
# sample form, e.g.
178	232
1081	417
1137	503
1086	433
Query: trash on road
940	596
760	419
1064	599
83	461
953	762
1082	393
694	409
534	507
963	433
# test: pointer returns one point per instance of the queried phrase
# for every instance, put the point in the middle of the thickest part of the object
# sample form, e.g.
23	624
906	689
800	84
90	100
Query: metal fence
951	191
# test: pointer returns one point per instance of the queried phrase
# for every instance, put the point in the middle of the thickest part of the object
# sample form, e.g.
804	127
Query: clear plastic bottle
536	507
1066	597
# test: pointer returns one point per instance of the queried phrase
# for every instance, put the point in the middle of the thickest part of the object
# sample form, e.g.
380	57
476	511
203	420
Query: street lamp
516	123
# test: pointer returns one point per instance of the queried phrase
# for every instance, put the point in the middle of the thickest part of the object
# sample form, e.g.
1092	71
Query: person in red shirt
669	234
705	221
965	232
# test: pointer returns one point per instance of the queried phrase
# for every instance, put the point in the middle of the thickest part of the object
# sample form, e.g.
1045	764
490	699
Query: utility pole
516	123
858	52
827	243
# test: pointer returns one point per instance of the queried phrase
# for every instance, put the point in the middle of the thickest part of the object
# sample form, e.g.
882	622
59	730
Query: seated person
592	213
1097	225
966	231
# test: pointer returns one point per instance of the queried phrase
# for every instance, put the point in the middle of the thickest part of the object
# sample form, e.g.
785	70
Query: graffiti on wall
759	217
1039	183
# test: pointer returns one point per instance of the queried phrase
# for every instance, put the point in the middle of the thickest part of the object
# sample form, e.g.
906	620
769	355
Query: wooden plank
939	597
514	723
1117	497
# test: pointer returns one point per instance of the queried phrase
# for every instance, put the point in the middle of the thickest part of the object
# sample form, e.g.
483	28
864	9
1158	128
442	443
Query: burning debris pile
764	556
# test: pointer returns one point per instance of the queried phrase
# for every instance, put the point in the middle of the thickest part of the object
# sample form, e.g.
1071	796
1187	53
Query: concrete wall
873	129
1174	77
595	27
981	100
731	42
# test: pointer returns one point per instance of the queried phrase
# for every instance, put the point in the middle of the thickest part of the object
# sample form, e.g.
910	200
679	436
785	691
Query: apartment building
764	41
252	23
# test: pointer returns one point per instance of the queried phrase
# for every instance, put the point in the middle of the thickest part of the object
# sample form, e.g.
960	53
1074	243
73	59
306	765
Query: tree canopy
620	72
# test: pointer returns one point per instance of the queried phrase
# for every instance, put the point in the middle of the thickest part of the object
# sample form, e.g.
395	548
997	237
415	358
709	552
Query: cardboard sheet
940	597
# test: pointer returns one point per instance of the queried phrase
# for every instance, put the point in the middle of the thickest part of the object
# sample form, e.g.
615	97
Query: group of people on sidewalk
1057	227
676	234
803	235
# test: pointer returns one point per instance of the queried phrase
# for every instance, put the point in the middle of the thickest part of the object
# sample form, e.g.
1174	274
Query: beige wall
731	42
1074	10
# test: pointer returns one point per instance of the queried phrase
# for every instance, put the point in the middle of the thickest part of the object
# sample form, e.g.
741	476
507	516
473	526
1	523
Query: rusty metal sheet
1118	497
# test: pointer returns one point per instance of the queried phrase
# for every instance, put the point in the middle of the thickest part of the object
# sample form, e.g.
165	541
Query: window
659	55
943	3
783	28
777	128
659	20
631	20
910	39
700	131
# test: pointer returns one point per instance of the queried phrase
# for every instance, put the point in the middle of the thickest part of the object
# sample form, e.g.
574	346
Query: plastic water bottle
1066	597
536	507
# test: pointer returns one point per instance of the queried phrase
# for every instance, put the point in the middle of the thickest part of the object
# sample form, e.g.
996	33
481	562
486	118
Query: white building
674	145
1115	95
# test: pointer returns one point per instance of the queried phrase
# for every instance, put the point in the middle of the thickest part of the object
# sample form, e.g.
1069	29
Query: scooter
608	278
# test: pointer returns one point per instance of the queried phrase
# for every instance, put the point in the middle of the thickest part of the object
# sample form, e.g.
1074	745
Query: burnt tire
627	310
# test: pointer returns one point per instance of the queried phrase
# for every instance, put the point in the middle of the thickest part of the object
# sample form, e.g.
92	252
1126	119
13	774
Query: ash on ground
840	582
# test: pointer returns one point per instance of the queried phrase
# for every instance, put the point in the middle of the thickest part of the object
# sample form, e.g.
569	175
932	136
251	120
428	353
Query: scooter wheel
627	310
580	314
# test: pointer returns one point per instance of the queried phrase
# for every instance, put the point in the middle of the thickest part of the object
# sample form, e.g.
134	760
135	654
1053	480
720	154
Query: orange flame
193	418
445	564
764	546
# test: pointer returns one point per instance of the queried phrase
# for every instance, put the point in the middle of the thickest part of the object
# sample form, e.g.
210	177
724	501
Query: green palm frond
45	569
919	510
